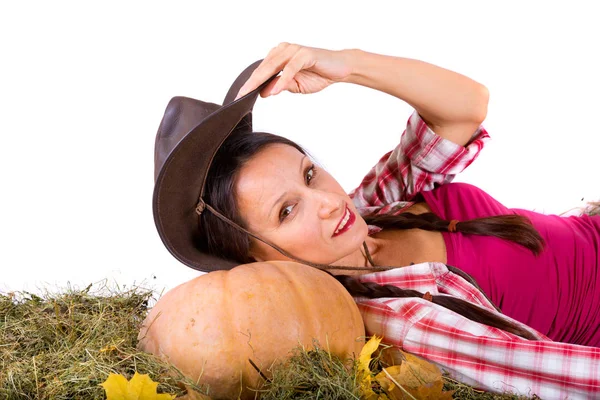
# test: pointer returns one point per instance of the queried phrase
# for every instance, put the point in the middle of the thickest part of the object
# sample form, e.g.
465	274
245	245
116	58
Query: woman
539	270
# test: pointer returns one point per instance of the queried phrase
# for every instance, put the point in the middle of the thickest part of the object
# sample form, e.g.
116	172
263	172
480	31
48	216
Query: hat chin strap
203	205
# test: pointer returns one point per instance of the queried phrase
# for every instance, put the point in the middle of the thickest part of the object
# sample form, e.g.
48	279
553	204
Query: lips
345	223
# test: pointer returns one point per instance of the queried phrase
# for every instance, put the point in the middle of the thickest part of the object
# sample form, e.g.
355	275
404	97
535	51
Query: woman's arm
421	161
451	104
441	139
484	356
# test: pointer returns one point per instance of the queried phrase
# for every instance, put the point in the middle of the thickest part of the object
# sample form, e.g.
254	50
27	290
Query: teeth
343	223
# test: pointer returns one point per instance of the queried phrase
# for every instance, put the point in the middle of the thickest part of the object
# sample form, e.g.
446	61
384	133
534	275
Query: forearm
443	98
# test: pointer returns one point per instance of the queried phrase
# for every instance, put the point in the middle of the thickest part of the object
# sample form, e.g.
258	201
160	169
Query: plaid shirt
471	352
422	161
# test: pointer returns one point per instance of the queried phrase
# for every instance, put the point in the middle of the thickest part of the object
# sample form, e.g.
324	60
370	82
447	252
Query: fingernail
275	90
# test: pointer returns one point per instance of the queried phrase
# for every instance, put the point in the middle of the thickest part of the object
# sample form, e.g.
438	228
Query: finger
268	67
286	79
251	82
248	85
258	77
266	91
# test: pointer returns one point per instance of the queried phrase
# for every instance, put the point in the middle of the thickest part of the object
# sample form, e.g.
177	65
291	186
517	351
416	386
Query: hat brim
181	179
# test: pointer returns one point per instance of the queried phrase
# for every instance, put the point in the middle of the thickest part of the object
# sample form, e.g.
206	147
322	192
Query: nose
329	204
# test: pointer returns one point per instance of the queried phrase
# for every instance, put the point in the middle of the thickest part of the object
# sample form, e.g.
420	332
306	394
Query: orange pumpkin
211	326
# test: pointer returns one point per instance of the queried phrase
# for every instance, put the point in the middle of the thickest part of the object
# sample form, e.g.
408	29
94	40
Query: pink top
471	352
541	291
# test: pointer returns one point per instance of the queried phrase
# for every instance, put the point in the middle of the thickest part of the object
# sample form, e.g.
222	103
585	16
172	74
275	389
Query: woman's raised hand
305	70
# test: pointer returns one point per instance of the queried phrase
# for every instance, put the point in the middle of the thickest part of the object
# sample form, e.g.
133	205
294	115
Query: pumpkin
210	326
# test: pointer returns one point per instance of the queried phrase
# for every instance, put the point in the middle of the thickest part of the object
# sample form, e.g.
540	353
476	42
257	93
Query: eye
285	212
310	174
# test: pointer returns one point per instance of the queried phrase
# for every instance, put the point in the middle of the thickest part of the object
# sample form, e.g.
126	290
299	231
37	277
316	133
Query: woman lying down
503	299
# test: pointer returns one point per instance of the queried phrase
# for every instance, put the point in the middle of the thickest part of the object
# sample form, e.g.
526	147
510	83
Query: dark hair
462	307
515	228
237	149
221	239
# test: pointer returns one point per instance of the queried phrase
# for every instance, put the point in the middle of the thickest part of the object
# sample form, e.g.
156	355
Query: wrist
352	58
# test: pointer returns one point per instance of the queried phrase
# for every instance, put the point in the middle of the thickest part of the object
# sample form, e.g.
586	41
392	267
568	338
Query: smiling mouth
346	222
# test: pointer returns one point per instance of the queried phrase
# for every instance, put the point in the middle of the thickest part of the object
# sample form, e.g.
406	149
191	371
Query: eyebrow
280	198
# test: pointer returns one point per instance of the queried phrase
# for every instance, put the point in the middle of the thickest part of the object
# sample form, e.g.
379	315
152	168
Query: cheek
301	236
302	241
332	184
305	230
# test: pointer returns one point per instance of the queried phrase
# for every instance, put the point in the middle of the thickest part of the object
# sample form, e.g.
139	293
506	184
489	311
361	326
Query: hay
592	208
62	346
465	392
315	374
312	374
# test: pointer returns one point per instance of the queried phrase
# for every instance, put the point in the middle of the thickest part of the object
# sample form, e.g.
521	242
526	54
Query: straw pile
64	345
310	375
316	374
593	208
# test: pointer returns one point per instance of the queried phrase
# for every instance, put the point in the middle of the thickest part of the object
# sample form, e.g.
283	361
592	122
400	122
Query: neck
358	258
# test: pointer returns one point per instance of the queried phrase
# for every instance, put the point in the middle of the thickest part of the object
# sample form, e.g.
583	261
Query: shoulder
462	201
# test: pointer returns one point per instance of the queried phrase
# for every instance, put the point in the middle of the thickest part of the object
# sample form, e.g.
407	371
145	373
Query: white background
83	88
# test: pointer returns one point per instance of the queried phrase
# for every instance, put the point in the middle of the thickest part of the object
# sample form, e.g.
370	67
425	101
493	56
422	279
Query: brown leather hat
188	137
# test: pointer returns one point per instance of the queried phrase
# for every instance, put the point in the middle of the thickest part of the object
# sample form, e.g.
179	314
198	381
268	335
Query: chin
353	245
362	230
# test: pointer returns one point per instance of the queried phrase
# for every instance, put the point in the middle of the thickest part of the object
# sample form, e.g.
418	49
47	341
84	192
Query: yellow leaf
140	387
414	372
367	351
364	372
419	378
115	387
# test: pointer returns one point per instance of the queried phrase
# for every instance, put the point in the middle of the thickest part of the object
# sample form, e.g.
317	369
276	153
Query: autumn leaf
411	378
364	372
140	387
367	351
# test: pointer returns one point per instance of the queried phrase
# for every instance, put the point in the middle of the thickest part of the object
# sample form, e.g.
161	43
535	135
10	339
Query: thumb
266	91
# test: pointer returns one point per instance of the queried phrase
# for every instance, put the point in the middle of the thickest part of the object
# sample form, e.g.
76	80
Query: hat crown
181	116
189	135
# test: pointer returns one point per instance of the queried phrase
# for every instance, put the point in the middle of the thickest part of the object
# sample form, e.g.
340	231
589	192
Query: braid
471	311
515	228
373	290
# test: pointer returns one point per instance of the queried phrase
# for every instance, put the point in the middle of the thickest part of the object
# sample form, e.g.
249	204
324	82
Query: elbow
481	105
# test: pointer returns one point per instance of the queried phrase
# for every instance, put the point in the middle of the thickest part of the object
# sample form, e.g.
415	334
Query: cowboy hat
189	135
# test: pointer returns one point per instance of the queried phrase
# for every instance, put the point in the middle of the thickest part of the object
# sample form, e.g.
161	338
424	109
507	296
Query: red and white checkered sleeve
421	161
483	356
498	361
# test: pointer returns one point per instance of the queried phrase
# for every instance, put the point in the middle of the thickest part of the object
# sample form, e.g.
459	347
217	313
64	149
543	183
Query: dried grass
312	374
315	374
466	392
592	208
63	345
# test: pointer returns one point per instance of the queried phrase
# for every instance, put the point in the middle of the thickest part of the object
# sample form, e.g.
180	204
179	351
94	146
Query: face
287	200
